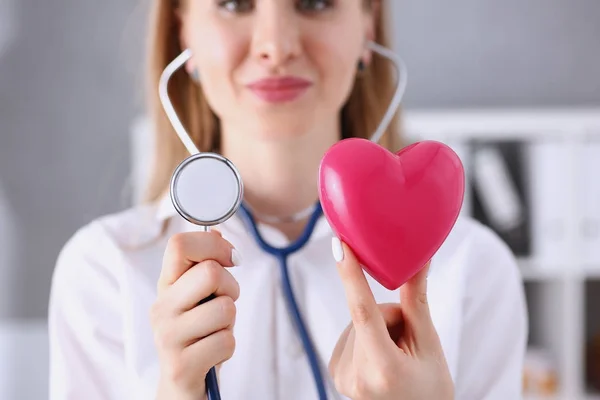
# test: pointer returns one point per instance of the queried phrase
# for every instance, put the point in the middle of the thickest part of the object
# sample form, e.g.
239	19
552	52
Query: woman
124	316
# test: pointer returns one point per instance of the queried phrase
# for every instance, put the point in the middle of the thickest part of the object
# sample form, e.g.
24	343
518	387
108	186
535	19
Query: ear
371	21
372	16
181	22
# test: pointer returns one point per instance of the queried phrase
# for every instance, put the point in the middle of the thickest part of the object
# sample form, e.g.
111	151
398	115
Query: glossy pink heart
393	210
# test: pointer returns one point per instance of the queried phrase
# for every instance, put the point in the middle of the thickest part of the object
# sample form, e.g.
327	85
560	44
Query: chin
282	124
282	129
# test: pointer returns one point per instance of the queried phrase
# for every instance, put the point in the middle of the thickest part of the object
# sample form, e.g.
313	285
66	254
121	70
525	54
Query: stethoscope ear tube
182	58
402	71
177	196
163	93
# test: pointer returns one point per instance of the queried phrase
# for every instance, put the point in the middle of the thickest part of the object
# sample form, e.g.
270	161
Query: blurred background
513	86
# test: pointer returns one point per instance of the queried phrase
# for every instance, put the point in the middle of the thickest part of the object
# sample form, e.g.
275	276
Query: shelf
531	270
591	272
504	124
530	397
583	397
535	270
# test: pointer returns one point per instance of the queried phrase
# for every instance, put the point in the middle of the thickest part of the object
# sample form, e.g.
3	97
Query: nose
276	36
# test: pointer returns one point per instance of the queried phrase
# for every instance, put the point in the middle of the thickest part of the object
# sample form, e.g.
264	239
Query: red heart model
393	210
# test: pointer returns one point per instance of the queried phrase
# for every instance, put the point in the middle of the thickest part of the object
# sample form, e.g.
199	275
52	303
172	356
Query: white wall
69	88
508	53
23	360
10	242
7	24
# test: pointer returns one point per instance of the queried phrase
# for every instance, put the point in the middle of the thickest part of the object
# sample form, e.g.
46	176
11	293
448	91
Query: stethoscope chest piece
206	189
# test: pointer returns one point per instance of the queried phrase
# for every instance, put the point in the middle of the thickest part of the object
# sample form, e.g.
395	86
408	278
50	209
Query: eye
237	6
314	5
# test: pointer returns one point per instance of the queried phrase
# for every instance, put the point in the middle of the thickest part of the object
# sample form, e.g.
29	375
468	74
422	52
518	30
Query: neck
280	176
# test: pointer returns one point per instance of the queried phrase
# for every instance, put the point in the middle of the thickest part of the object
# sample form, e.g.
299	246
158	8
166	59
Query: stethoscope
224	198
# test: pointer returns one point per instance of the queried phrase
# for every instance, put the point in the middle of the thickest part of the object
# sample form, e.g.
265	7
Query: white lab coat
105	283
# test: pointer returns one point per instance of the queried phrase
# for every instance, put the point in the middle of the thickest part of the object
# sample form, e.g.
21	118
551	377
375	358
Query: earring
361	66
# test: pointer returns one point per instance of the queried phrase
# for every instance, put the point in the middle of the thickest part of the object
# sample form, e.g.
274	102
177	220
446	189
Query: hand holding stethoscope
388	351
190	338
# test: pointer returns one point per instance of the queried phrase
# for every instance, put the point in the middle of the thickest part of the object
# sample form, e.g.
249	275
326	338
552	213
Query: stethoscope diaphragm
206	189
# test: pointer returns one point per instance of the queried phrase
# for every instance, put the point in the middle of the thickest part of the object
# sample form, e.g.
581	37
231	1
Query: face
276	68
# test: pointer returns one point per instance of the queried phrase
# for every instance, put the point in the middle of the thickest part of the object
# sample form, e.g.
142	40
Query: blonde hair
360	115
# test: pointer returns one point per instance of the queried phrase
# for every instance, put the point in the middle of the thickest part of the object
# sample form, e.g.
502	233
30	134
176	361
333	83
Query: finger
344	374
339	348
413	293
199	282
415	306
366	317
186	249
204	320
210	351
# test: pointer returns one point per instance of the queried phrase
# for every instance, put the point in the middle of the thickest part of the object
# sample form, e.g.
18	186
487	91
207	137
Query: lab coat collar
166	210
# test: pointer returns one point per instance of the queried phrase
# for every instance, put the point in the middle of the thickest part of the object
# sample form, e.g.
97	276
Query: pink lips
281	89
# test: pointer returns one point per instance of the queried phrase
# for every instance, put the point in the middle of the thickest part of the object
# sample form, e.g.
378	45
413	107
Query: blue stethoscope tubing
282	254
211	381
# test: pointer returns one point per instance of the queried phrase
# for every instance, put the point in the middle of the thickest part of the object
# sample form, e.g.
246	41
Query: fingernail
336	248
236	257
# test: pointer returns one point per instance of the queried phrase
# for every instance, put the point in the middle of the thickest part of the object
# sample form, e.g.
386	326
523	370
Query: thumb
415	306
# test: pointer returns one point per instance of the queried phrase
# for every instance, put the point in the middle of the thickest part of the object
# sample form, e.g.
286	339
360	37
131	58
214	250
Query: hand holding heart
396	210
389	351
